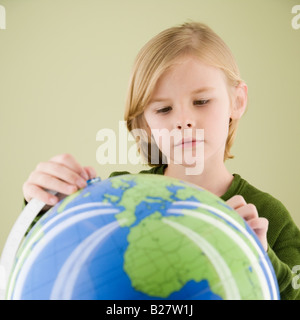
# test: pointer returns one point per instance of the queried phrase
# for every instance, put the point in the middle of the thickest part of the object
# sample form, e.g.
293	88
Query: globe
141	237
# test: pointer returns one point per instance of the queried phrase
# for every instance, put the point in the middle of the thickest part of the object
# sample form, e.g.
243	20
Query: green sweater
283	234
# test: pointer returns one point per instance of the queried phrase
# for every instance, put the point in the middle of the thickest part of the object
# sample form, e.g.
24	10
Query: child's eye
164	110
200	102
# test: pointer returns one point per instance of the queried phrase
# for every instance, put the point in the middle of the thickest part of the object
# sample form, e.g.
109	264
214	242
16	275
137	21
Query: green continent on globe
144	190
136	194
160	261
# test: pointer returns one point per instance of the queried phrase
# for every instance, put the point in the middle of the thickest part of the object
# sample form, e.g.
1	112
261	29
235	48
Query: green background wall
64	70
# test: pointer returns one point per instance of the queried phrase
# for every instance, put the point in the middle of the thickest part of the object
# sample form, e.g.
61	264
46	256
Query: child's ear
239	102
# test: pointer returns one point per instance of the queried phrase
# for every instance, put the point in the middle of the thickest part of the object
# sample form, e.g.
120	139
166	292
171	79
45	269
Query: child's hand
61	173
249	212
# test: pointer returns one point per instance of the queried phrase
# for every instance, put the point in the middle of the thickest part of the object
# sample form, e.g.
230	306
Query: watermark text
296	18
183	147
2	18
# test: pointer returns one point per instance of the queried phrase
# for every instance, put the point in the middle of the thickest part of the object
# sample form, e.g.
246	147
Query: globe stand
15	237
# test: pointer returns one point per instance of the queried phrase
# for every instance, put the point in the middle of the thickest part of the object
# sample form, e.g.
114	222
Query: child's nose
184	117
185	121
186	125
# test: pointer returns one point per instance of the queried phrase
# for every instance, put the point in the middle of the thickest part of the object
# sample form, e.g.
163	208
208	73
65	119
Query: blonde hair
157	56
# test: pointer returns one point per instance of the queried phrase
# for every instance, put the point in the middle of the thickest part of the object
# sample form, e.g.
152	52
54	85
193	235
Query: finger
46	181
236	202
33	191
248	211
260	228
69	161
91	172
61	172
259	225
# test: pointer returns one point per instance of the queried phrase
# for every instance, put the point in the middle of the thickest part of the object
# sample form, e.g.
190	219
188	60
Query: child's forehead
189	73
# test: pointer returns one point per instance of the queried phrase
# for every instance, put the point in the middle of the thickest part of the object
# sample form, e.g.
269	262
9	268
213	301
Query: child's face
190	95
